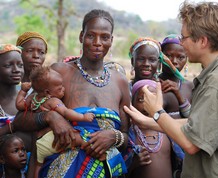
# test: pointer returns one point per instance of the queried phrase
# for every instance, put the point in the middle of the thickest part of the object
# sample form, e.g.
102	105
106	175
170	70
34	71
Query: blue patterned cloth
75	163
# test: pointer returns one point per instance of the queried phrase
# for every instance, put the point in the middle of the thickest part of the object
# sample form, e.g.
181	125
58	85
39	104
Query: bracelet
185	108
184	104
121	139
116	136
117	133
40	122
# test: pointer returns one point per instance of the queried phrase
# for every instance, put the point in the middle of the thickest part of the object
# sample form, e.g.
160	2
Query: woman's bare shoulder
63	67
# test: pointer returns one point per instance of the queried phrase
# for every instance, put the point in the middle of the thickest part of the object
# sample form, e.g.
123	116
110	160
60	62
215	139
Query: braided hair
100	14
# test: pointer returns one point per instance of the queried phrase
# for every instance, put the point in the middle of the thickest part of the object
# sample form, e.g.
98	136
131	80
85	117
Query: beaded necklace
2	113
99	81
145	143
36	104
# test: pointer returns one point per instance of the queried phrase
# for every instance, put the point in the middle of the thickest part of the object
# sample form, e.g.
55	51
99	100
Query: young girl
182	89
49	90
13	156
157	144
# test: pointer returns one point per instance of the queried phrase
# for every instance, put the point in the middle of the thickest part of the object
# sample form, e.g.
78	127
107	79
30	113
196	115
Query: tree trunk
61	28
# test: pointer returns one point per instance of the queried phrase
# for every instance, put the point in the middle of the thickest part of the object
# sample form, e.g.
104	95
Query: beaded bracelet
117	133
184	108
116	136
121	140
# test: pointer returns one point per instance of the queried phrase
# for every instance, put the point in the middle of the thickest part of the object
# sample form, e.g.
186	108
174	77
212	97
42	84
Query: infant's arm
21	104
57	105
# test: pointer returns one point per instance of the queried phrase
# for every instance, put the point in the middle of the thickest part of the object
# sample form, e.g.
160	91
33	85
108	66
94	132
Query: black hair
4	140
98	13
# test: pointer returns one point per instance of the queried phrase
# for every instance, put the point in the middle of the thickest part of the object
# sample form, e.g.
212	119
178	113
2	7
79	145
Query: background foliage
42	16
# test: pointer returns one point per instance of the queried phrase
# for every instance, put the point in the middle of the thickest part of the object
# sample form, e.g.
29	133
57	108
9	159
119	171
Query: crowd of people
83	118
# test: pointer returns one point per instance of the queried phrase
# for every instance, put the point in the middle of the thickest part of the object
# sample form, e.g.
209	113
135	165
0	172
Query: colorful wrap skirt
75	163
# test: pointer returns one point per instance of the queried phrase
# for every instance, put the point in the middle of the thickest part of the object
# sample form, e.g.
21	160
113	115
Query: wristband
117	133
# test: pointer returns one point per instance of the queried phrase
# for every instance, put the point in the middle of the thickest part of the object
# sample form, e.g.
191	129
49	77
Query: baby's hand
89	117
25	86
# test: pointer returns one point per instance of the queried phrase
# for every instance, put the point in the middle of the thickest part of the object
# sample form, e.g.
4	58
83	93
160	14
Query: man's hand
136	116
153	102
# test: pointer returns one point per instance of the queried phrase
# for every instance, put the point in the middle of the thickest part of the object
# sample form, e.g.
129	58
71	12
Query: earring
81	50
111	55
186	70
132	72
156	76
157	73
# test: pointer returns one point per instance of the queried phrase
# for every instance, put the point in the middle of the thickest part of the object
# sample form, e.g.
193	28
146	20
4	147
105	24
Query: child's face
15	155
138	100
176	54
56	88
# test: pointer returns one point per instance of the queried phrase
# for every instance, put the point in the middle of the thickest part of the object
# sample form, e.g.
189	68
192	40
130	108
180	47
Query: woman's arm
29	121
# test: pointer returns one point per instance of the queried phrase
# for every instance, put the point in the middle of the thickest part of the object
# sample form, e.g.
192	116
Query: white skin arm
153	103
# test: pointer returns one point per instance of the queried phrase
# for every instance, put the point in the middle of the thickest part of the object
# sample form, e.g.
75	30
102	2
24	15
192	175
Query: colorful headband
171	39
26	36
144	41
142	83
4	48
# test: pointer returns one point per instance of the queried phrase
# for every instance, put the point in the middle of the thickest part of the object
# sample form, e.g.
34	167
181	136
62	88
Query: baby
49	90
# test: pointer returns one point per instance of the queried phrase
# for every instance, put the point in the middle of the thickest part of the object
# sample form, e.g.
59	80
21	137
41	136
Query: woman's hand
99	143
64	134
169	85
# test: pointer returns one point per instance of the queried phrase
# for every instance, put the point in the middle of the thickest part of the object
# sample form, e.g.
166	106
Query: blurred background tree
60	22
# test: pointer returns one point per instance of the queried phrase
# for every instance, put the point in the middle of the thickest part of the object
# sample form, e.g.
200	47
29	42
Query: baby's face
138	99
56	88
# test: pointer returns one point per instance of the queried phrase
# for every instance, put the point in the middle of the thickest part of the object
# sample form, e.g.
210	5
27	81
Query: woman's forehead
98	23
